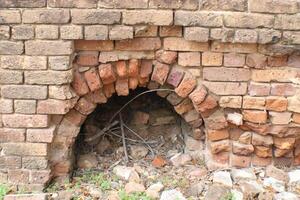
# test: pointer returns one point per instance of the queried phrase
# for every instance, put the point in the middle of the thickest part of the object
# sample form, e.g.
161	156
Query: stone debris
222	177
171	195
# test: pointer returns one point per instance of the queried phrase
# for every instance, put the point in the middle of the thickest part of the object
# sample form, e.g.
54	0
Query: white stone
172	195
180	159
223	178
294	176
235	118
124	172
251	187
237	195
286	196
242	174
275	184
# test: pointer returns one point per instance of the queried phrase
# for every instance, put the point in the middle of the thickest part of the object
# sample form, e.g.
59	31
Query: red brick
216	120
221	158
75	117
121	69
122	88
175	76
259	89
215	135
12	135
79	84
296	118
54	106
198	95
284	143
283	89
25	149
40	135
254	102
94	45
276	103
277	61
25	121
133	68
143	81
186	86
263	152
18	176
133	83
138	44
107	74
39	176
160	72
168	57
109	90
294	60
255	116
93	80
96	97
234	60
255	60
220	146
240	161
209	103
262	140
189	59
87	58
146	68
84	106
10	162
170	31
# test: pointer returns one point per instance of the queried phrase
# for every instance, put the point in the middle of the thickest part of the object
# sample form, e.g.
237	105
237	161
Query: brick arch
190	98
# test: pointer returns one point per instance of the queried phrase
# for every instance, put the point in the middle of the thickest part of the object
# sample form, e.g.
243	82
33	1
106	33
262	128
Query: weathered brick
24	92
175	76
122	87
245	36
240	161
4	32
266	36
248	20
48	77
87	58
254	102
189	59
59	62
212	59
296	118
120	32
259	89
23	62
109	90
72	4
153	17
222	34
229	88
175	4
44	16
91	16
170	31
23	3
22	32
110	56
292	37
256	61
105	45
10	162
231	101
226	74
10	77
54	106
283	89
46	32
280	117
84	106
217	120
294	60
233	47
96	32
25	149
266	6
71	32
168	57
287	22
284	143
279	75
186	86
180	44
277	61
145	31
36	47
234	60
160	72
6	106
133	68
40	135
40	176
146	68
79	84
255	116
25	106
20	120
93	80
203	18
10	17
184	107
61	92
138	44
121	69
123	4
276	103
34	162
220	146
18	176
12	135
107	74
196	34
11	47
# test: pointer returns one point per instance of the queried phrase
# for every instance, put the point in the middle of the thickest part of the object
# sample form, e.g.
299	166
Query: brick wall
236	62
